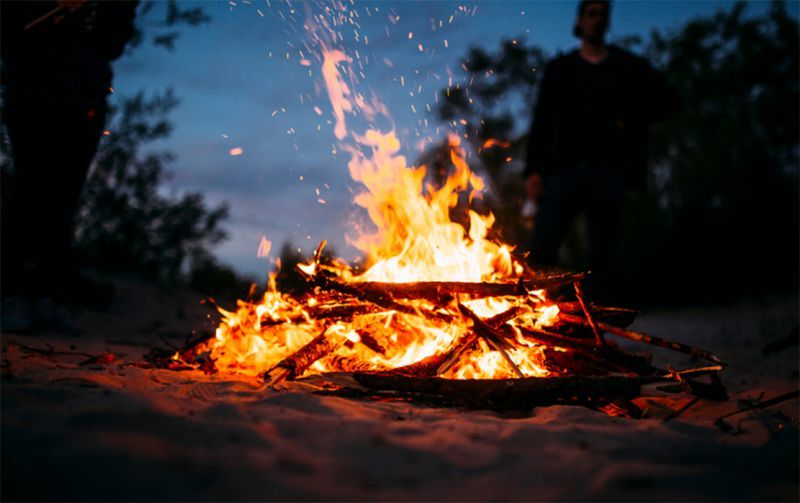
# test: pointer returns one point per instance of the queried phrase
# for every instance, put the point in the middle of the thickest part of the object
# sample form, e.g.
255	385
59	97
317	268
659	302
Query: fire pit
441	309
425	341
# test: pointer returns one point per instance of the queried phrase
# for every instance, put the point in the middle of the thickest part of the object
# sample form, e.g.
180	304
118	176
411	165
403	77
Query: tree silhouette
125	222
725	171
161	23
722	202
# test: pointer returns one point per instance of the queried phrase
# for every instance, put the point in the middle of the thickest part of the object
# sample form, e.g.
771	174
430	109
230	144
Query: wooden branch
579	294
440	363
384	300
644	338
335	312
298	362
484	330
764	404
618	316
436	291
455	354
495	338
603	355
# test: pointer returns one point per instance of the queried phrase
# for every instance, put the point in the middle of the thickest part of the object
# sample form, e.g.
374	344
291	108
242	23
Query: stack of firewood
587	366
584	363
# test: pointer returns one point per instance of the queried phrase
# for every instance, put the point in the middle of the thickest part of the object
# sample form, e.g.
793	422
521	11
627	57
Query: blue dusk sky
242	85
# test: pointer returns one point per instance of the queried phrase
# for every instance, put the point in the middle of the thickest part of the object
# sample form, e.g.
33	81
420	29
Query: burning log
495	338
336	312
382	299
440	363
438	291
567	351
298	362
472	337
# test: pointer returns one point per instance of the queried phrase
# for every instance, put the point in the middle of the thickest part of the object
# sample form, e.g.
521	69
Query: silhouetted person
588	141
56	74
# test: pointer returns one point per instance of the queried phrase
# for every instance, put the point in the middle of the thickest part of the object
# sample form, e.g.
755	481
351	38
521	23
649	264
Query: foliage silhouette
161	23
125	220
725	171
722	199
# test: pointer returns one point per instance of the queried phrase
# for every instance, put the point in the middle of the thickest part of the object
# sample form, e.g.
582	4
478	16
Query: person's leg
603	214
29	135
557	210
77	148
52	147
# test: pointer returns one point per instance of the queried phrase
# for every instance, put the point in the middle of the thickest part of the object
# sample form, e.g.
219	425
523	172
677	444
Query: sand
117	432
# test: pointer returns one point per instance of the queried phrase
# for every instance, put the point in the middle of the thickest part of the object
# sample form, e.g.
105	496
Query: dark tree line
126	220
721	212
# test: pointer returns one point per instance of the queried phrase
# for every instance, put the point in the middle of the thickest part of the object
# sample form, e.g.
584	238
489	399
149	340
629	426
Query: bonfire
440	307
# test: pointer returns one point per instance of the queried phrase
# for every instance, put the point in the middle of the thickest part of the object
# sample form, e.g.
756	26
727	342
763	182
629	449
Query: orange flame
414	239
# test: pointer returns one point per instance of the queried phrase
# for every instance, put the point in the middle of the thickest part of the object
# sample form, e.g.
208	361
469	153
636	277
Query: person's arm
536	159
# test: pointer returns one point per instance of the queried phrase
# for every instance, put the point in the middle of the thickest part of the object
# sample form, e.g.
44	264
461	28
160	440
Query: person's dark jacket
637	97
64	58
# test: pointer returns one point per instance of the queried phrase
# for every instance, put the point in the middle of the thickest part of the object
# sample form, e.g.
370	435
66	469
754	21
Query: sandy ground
117	432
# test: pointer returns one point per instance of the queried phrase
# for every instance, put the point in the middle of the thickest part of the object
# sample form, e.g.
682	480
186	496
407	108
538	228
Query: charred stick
606	356
455	354
298	362
338	312
766	403
438	363
378	298
436	291
506	357
644	338
494	337
483	329
44	17
575	307
347	364
619	316
699	371
504	317
579	294
466	341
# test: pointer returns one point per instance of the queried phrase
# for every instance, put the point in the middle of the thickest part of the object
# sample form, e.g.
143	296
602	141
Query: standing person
588	141
56	74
